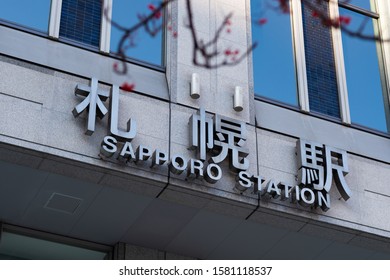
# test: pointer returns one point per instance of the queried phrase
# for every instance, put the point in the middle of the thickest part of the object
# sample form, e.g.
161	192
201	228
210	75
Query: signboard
217	139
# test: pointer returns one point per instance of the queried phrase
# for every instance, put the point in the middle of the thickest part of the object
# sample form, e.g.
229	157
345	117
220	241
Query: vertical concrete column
217	84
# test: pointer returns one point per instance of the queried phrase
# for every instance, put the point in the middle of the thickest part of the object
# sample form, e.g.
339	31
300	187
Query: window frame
59	54
55	22
383	26
105	34
57	239
27	28
105	44
298	45
300	56
382	14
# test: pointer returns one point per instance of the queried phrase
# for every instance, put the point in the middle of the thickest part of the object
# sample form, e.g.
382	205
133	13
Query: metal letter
108	147
196	169
127	152
201	133
338	167
307	197
159	158
143	153
286	190
92	99
231	135
243	181
272	189
295	194
311	163
257	188
323	201
213	173
177	165
114	119
320	165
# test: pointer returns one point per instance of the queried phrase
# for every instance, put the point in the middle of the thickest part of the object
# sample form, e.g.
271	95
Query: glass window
363	74
320	64
273	58
81	20
365	4
141	46
32	14
15	246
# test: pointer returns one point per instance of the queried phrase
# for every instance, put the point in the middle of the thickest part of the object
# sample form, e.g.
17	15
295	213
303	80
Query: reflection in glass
81	21
320	66
366	99
365	4
28	13
273	58
142	45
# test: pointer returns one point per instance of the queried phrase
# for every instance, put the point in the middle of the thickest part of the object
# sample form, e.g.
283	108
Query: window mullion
339	63
55	18
384	10
105	32
359	10
300	58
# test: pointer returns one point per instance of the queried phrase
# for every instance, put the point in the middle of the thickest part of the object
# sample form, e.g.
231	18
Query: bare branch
340	22
149	23
207	54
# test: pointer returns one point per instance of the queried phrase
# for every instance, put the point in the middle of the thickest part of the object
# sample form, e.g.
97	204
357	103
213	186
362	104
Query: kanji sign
217	139
320	164
224	135
93	101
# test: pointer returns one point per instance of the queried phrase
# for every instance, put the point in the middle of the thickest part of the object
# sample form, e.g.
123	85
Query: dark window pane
15	247
80	21
273	58
366	99
320	66
142	45
33	14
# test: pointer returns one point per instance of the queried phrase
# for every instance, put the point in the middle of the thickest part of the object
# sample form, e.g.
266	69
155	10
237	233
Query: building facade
285	155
